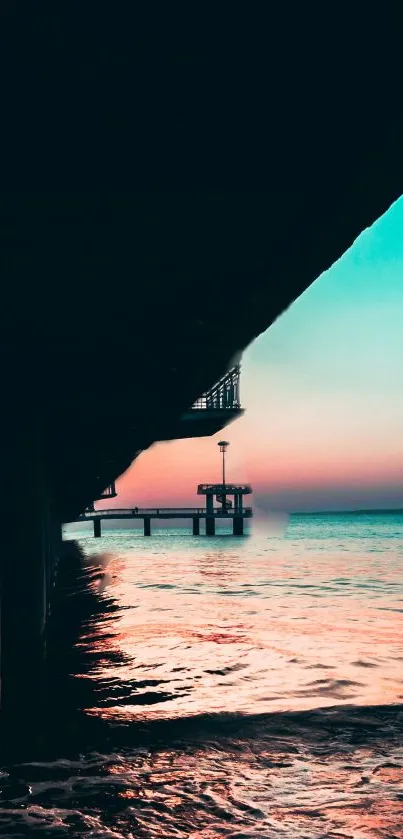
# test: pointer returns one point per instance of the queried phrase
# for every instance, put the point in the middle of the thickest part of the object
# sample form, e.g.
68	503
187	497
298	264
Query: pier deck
148	513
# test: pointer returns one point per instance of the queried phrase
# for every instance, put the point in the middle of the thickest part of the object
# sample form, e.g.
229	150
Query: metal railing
224	489
224	395
155	512
109	492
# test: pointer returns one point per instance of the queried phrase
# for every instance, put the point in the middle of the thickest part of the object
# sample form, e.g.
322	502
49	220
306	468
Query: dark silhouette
169	190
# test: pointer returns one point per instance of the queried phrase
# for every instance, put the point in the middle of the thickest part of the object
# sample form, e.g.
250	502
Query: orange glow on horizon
168	474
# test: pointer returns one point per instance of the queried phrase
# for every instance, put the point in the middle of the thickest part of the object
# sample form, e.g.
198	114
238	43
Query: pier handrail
224	395
155	512
228	489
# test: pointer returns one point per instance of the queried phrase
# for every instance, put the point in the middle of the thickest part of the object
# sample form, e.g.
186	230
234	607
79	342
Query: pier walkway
148	513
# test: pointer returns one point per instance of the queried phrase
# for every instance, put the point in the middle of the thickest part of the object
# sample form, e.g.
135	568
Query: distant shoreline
384	512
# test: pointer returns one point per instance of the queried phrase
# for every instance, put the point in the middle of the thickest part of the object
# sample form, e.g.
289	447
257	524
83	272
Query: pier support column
237	526
97	528
147	526
28	552
210	521
196	526
210	526
209	504
54	544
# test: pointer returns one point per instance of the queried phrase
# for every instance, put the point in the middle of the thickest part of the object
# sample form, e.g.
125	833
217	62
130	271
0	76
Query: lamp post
223	448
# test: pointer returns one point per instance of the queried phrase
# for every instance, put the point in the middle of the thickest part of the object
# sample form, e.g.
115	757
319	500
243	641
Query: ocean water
223	687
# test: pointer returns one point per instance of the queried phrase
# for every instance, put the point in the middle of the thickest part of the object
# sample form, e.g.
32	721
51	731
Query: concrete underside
171	187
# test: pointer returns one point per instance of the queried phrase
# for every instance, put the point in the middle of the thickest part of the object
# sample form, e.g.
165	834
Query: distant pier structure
222	501
229	497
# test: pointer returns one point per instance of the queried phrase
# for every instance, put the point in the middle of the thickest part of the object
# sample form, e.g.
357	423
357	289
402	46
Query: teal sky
325	382
323	392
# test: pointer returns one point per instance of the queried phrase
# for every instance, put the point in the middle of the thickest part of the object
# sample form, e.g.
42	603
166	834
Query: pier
194	514
223	501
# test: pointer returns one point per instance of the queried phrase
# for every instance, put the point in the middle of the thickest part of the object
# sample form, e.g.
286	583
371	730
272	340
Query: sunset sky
323	393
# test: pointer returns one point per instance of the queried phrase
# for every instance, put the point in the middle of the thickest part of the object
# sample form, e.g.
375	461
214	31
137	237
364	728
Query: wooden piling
210	526
237	526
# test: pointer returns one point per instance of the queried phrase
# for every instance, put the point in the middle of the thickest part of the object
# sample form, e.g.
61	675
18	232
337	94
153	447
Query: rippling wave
236	688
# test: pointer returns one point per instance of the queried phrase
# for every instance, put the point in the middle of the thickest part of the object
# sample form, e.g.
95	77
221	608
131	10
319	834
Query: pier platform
148	514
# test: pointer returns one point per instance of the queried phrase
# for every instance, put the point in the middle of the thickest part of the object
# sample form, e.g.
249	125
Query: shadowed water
222	687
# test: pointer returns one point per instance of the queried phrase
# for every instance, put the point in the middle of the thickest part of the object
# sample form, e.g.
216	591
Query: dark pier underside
169	188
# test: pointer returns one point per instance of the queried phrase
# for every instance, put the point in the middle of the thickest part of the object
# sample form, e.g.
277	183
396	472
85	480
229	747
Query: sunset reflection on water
227	688
252	627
